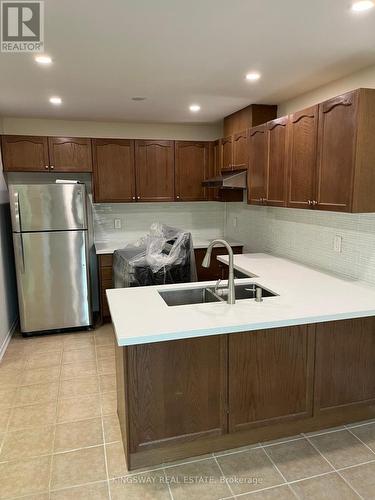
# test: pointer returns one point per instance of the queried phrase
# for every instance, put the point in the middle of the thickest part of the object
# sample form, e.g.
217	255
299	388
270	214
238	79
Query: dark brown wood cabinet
270	376
192	166
345	354
337	148
154	167
70	154
276	162
25	153
226	153
105	262
302	156
258	165
240	150
61	154
114	170
176	391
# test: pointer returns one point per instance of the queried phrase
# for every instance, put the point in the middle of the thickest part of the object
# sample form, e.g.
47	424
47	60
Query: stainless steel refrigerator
52	239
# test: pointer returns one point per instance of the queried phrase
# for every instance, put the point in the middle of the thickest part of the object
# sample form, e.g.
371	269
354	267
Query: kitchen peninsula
202	377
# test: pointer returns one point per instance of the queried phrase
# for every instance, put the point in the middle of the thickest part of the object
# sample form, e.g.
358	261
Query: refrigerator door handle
20	251
17	213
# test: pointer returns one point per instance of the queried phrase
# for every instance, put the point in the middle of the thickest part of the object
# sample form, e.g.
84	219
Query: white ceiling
179	52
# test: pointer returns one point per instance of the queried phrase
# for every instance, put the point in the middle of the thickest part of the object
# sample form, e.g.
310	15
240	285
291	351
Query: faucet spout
207	260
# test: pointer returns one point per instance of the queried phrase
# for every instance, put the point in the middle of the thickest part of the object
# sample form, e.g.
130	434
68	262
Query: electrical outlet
337	244
117	224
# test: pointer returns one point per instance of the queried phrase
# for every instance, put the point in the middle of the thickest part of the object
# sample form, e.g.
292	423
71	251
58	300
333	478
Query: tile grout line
224	476
360	440
334	468
54	429
279	471
168	485
102	422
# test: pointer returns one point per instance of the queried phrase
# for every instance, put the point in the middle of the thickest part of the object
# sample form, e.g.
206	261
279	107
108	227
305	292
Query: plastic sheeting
165	255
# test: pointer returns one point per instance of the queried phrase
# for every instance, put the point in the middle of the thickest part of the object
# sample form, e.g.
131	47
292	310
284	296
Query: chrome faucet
207	260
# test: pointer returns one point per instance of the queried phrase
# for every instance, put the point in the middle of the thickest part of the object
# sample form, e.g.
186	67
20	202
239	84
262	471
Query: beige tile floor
60	439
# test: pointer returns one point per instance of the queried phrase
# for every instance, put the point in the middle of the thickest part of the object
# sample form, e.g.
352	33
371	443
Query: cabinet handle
133	197
309	202
46	167
314	203
178	197
138	197
52	167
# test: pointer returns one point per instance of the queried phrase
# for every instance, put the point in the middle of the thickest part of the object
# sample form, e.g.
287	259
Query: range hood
228	180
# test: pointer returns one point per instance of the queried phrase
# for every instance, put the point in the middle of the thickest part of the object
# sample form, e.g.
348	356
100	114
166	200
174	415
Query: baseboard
4	345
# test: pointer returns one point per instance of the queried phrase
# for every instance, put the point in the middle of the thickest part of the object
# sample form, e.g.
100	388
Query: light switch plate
117	224
337	244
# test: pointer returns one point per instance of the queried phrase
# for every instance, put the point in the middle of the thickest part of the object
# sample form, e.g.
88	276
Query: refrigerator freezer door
52	280
48	207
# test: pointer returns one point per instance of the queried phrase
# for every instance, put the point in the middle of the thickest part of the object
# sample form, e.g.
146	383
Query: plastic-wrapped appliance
165	255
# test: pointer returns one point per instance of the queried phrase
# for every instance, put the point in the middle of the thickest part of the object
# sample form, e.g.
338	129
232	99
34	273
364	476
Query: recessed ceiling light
362	5
43	59
55	100
194	108
253	76
139	98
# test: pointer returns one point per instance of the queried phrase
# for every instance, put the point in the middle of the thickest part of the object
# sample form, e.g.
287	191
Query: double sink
208	294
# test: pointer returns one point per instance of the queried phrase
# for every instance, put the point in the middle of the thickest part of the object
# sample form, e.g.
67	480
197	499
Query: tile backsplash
204	220
307	236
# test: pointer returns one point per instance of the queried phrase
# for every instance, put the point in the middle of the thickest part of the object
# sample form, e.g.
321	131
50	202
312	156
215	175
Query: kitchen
235	179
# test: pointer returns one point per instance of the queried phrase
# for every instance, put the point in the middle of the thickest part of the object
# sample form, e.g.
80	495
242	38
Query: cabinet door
345	354
303	132
270	376
191	168
70	154
114	170
257	172
154	168
216	167
240	150
226	146
177	391
336	150
277	162
23	153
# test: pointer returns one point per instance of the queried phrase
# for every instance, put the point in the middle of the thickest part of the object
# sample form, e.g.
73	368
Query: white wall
8	296
364	78
305	235
34	126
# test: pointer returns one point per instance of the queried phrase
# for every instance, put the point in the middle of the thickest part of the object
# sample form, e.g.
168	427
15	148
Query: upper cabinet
191	168
70	154
29	154
114	170
25	153
258	165
154	166
240	150
303	132
226	152
337	152
276	170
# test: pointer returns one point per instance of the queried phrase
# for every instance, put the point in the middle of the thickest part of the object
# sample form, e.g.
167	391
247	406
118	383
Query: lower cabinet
176	391
182	398
217	270
270	375
345	364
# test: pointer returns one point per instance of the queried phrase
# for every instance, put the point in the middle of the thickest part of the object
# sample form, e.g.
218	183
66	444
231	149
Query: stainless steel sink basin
189	296
245	292
204	295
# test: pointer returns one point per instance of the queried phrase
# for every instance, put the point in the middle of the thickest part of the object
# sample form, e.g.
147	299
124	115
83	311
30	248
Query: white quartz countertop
105	247
141	316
